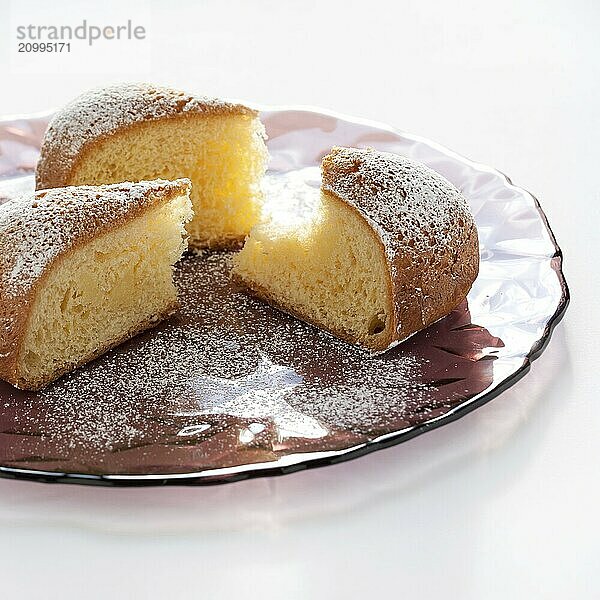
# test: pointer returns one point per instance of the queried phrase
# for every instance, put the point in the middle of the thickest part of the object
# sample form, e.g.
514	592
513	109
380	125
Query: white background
504	503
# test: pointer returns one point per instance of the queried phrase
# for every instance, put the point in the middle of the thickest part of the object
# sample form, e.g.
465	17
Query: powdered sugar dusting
401	198
227	357
102	111
37	228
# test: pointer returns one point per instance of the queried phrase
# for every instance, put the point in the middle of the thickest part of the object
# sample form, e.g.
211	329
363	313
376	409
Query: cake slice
389	248
134	132
83	269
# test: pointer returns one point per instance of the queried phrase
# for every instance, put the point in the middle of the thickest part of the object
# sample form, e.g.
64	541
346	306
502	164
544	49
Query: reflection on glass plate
230	388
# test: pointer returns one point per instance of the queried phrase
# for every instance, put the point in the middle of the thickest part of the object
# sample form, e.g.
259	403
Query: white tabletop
501	504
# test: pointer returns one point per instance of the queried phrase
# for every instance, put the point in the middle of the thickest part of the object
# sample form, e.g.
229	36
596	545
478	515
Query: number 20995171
44	47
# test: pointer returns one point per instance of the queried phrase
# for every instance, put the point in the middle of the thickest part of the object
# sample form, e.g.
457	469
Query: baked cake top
37	228
100	112
403	200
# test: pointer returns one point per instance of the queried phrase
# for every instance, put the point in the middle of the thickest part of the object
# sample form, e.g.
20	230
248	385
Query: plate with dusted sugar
199	291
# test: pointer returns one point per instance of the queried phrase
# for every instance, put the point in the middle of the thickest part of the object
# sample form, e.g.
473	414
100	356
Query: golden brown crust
424	225
101	113
39	230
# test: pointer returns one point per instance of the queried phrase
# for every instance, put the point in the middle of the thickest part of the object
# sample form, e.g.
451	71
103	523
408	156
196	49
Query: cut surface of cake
83	269
134	132
390	247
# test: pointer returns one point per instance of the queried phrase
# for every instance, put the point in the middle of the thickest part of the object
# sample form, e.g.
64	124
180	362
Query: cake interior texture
224	156
329	270
105	291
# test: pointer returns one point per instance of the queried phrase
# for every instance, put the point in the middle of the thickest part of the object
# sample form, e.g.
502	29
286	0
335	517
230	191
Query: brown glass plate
230	388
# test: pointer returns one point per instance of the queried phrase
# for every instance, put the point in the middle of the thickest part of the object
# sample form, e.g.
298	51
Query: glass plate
230	388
